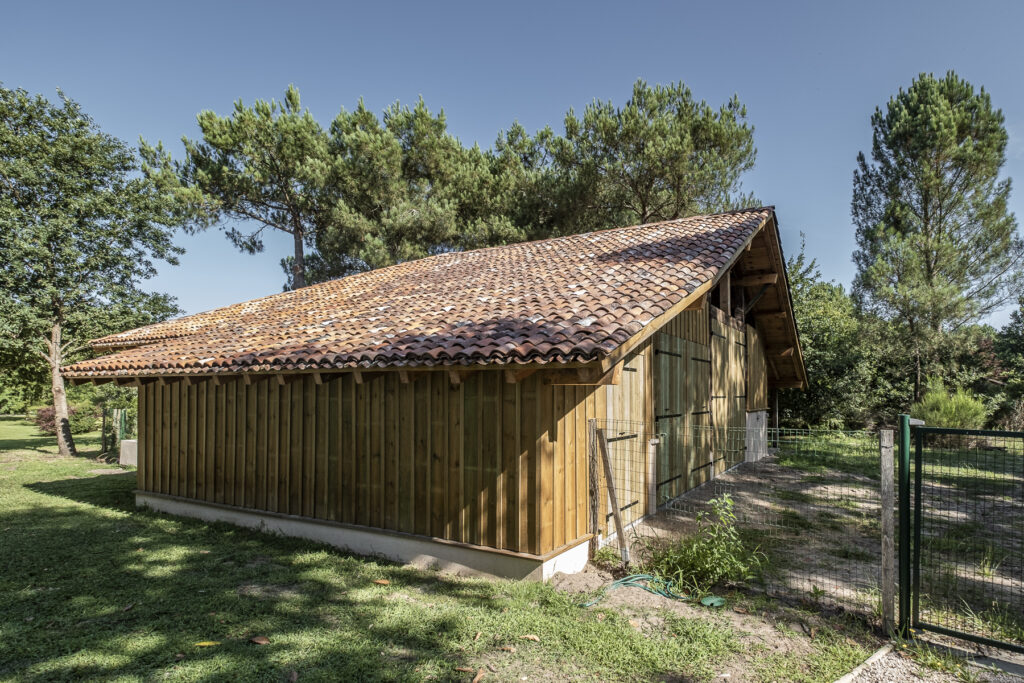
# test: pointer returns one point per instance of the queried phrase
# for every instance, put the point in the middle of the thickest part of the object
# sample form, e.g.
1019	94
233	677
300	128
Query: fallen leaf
479	674
260	640
600	616
465	669
634	623
207	643
530	636
478	634
740	610
493	668
382	582
125	609
507	648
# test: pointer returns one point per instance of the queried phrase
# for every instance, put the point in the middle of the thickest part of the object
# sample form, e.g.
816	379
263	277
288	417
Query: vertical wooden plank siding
478	460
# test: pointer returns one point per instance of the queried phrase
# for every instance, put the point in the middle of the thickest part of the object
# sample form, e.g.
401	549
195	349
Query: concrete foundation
418	551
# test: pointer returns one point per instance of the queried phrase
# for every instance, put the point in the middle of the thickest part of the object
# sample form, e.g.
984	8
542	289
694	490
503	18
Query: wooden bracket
755	279
518	375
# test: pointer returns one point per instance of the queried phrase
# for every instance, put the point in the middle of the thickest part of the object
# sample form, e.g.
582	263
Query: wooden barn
444	411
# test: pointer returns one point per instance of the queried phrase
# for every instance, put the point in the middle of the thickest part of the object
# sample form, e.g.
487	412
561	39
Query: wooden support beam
725	292
755	279
455	377
773	315
781	353
697	304
317	379
518	375
584	376
403	376
357	376
247	378
754	299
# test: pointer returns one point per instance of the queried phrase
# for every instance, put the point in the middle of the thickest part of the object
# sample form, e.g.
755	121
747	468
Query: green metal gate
962	533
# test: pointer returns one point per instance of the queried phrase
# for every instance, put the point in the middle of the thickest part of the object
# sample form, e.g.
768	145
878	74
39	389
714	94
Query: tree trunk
65	442
299	264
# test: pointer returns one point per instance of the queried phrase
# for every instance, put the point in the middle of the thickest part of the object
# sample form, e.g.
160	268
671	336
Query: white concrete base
418	551
757	436
129	453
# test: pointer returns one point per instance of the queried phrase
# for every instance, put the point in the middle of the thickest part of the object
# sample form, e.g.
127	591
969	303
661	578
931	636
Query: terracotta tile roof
566	299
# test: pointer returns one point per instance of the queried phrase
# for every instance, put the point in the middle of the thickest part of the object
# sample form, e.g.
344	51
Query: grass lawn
90	587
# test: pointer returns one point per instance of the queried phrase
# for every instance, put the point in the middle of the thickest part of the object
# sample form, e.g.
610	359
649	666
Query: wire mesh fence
968	559
813	507
809	500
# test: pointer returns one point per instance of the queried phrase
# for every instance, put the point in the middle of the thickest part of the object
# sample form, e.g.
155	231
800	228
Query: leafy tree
662	155
837	359
265	166
80	232
936	244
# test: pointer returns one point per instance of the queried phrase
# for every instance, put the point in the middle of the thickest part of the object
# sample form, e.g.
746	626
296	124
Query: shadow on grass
91	588
18	434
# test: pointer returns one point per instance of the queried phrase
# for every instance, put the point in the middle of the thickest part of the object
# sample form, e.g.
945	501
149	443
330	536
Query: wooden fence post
652	475
885	440
595	485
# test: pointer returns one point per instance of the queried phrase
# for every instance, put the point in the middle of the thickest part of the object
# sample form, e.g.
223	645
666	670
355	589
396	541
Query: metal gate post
903	627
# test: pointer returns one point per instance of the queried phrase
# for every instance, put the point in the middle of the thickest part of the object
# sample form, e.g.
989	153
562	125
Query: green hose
648	582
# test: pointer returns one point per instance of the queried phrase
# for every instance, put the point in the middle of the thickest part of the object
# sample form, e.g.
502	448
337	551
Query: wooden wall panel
480	461
757	371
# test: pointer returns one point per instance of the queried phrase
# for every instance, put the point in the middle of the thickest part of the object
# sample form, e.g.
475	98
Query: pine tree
937	247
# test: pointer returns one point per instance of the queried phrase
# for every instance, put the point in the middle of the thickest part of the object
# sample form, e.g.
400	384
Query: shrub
81	421
1014	422
960	410
715	554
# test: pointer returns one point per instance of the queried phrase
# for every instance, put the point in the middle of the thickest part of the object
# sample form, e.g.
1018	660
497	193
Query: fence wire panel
811	502
969	533
628	445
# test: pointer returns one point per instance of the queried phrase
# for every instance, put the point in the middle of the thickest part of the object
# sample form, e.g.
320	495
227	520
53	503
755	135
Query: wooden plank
220	434
191	443
241	448
421	510
755	279
407	458
594	489
208	418
558	467
888	494
391	436
567	435
376	460
471	460
274	428
490	440
581	458
349	410
362	454
527	466
307	492
174	455
261	414
438	472
508	505
284	448
296	445
334	446
152	435
229	455
455	484
321	476
546	467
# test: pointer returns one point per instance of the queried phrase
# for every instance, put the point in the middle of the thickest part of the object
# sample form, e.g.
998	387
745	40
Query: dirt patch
108	471
767	630
269	591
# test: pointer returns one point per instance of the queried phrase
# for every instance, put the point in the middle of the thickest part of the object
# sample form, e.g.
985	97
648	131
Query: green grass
92	588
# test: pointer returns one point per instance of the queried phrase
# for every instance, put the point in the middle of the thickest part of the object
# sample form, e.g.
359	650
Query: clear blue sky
810	74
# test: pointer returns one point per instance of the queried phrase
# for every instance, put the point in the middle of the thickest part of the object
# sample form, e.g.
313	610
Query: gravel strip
894	668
